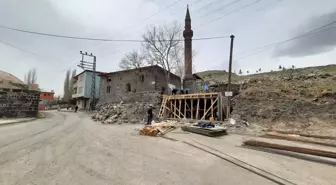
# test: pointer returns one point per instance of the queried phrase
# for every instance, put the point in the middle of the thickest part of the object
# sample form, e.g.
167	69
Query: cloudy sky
255	23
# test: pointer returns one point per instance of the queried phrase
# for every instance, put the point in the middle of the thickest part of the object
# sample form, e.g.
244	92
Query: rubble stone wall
19	103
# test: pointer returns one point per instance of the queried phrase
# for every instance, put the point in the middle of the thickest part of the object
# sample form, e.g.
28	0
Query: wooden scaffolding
199	106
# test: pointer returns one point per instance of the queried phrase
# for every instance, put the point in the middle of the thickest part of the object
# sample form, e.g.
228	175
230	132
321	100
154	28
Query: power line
207	5
15	47
246	6
163	9
221	8
312	32
93	39
269	5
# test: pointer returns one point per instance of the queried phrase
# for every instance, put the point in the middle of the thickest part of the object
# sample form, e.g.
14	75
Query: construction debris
159	129
317	152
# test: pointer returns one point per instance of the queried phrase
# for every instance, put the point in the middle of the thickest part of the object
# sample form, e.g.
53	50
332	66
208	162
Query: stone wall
125	85
19	103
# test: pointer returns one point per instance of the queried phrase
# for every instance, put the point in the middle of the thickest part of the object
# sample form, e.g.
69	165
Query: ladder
163	106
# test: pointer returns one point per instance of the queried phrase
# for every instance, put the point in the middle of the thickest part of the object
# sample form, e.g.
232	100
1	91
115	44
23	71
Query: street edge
40	116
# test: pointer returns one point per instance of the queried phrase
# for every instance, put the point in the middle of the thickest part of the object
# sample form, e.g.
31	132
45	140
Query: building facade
46	98
116	85
82	88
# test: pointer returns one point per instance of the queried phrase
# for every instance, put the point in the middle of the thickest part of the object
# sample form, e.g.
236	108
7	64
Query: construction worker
150	115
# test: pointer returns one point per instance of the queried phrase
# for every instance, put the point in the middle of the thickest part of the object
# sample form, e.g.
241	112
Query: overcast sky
263	23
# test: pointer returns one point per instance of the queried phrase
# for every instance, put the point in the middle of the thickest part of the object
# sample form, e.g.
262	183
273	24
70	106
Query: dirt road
69	148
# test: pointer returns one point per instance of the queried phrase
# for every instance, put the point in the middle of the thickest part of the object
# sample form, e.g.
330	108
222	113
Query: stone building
16	100
82	86
115	86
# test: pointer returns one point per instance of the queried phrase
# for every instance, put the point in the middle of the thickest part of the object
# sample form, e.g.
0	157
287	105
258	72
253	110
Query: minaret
188	81
187	34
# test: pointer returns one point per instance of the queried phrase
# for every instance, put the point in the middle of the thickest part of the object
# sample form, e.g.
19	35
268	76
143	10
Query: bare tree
132	60
159	46
178	56
31	77
66	93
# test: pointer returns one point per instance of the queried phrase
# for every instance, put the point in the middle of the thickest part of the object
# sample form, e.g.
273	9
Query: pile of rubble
120	113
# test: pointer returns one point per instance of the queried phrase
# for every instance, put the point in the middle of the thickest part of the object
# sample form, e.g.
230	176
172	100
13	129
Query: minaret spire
187	34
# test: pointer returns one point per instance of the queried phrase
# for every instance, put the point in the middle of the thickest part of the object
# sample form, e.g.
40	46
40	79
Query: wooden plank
209	108
192	110
197	108
322	153
293	138
212	109
300	134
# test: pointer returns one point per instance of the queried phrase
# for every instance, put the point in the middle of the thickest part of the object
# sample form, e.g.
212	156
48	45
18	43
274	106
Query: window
119	78
128	87
142	78
80	89
108	89
108	79
45	94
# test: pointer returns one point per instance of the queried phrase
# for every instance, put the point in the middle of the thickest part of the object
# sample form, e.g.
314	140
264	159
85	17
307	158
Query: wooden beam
209	109
212	109
171	111
180	104
197	108
180	113
204	110
322	153
171	108
293	138
300	134
185	108
192	110
174	107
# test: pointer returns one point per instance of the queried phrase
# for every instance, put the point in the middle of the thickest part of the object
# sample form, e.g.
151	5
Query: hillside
298	97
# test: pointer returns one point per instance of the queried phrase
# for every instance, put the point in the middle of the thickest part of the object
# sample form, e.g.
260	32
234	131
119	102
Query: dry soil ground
69	148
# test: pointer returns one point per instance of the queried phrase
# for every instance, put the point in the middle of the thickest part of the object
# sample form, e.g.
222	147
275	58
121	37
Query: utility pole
92	67
229	94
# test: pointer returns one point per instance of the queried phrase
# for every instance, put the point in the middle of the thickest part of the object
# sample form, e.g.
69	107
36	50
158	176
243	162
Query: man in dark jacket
150	114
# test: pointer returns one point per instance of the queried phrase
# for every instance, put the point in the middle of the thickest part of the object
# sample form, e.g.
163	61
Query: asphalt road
69	148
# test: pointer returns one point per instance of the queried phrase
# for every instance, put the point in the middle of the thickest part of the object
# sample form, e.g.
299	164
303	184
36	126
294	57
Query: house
82	86
146	79
45	99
